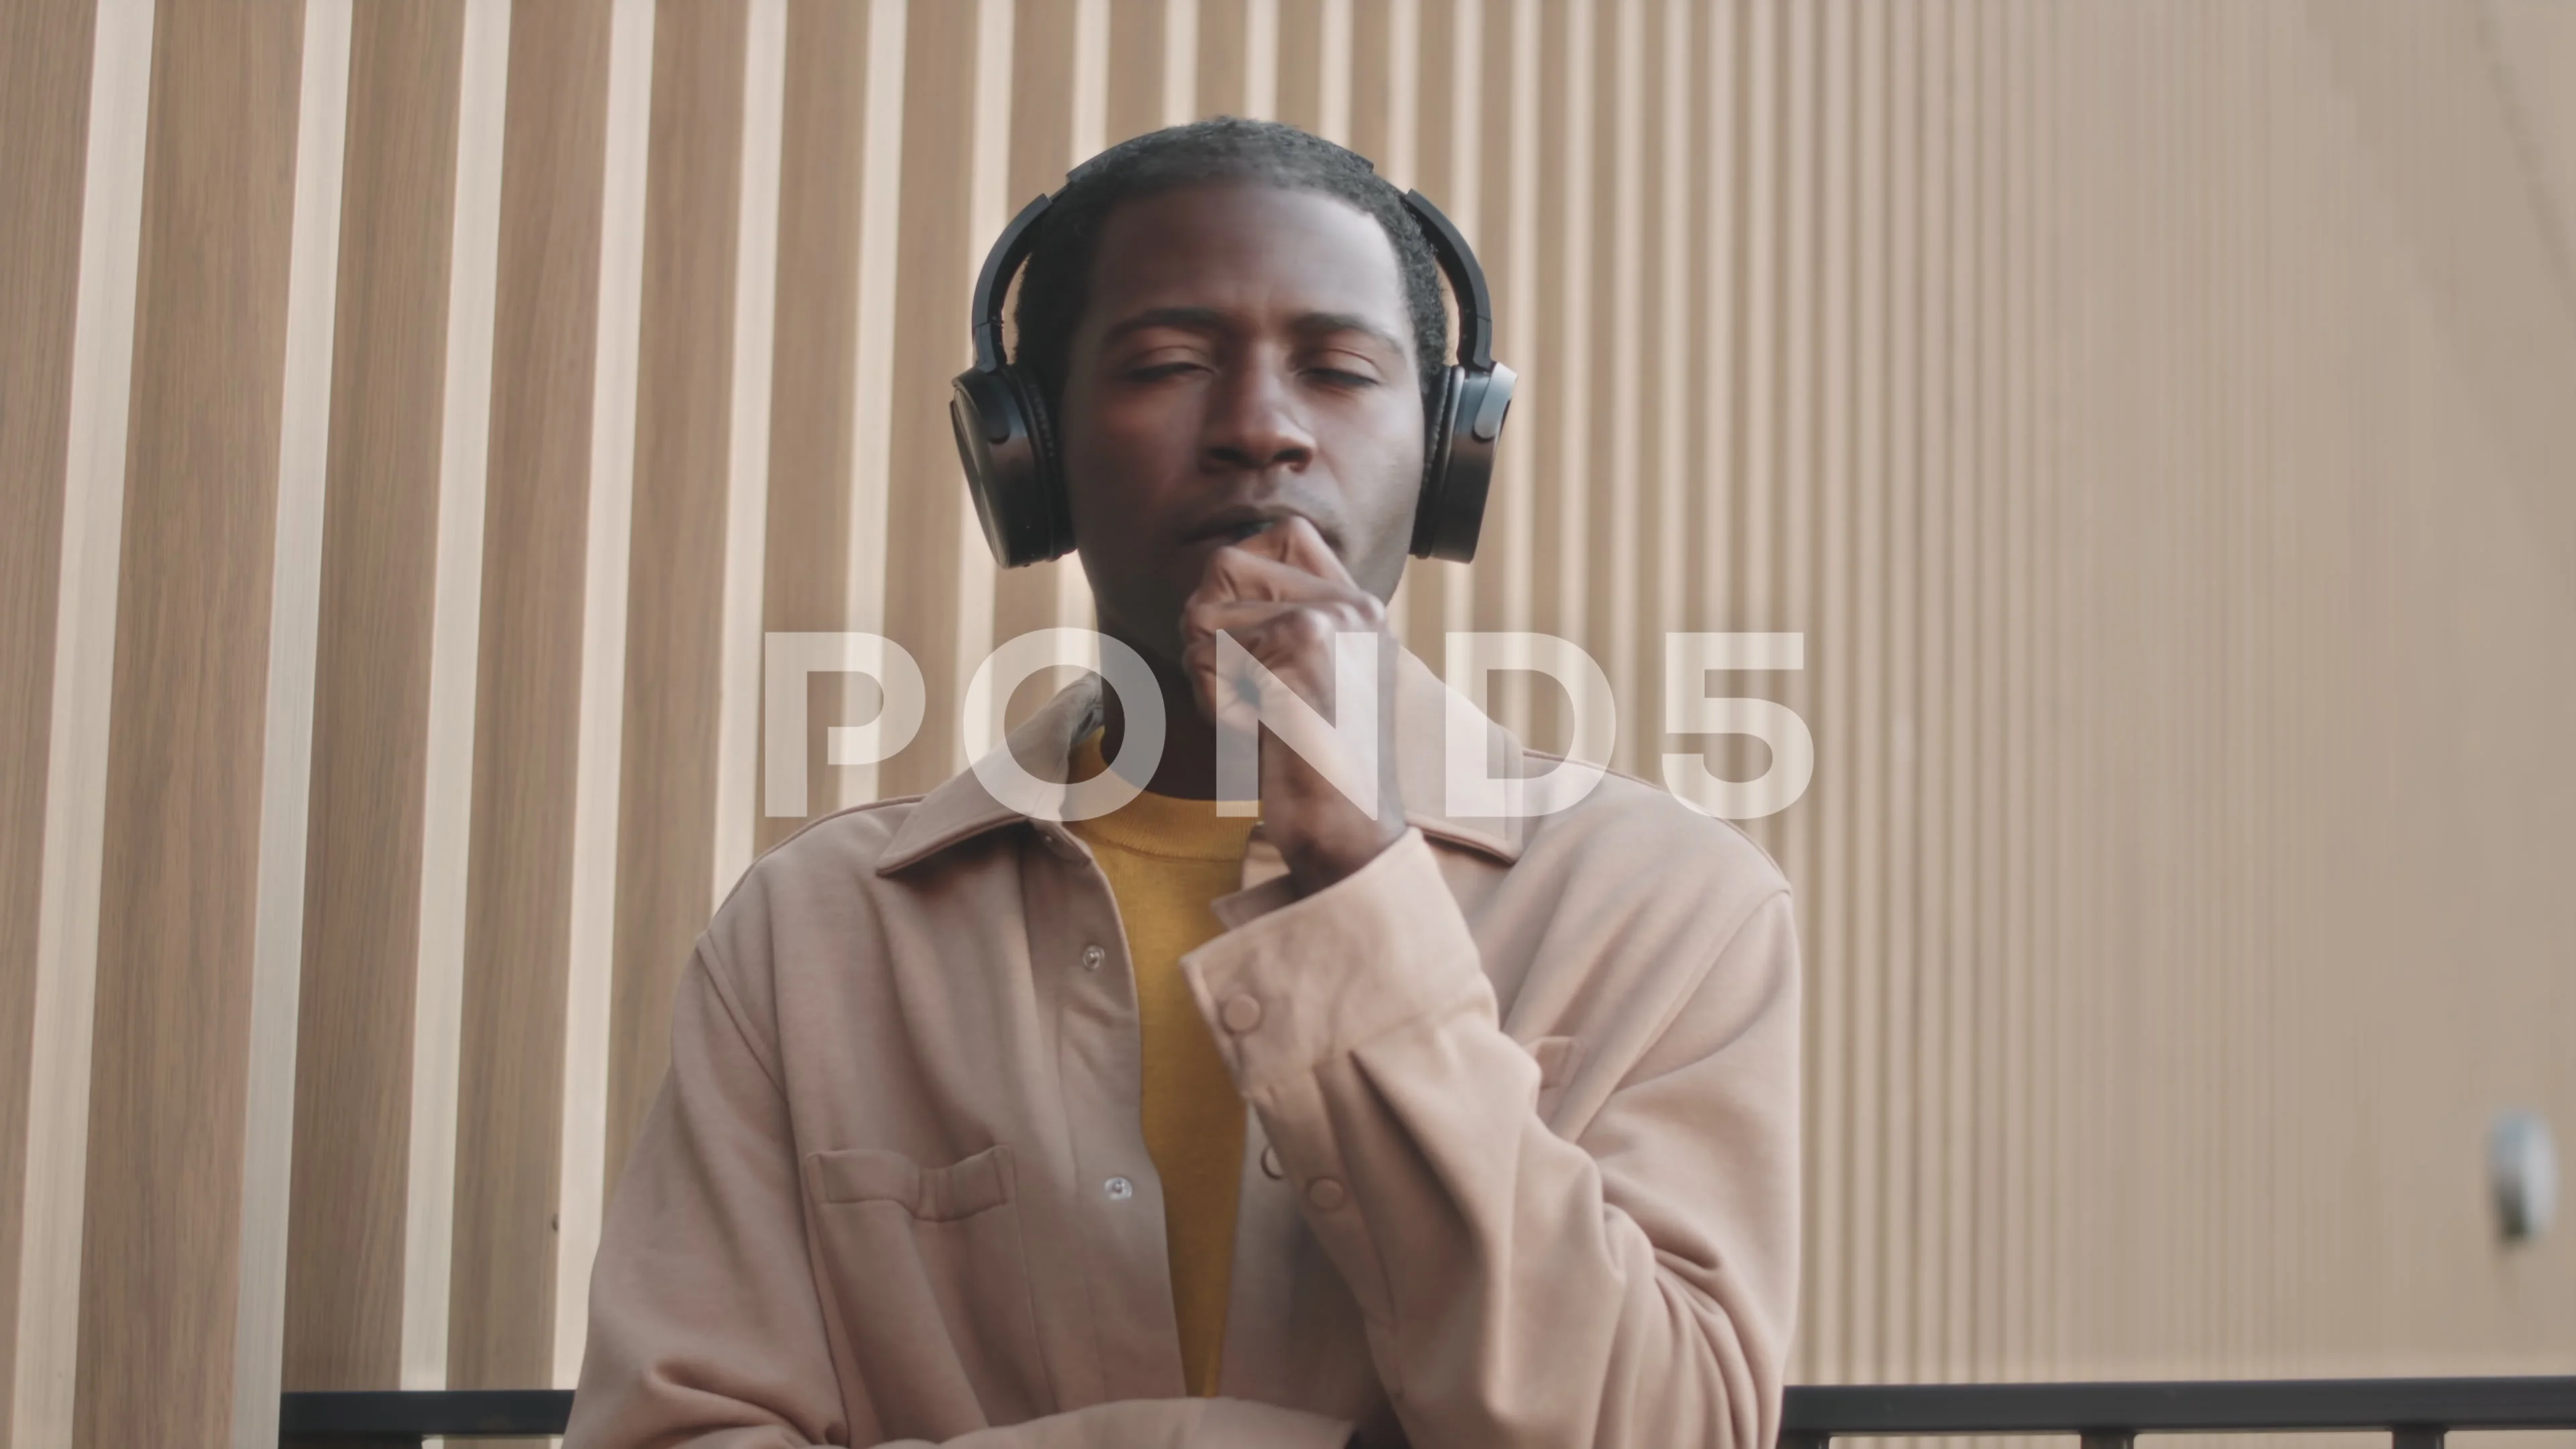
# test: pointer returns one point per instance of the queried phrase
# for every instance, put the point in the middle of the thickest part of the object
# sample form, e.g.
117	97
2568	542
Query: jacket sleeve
705	1327
1634	1287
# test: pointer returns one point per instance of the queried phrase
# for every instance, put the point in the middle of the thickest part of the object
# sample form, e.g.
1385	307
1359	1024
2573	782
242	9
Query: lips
1234	525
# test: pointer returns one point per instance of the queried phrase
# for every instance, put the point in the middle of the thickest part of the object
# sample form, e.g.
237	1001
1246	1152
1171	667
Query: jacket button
1270	1167
1324	1194
1119	1189
1092	956
1240	1014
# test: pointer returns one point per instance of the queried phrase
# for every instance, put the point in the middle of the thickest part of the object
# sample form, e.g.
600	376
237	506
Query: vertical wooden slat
1791	602
527	698
1044	57
344	1287
2018	745
1935	854
1261	59
1181	60
1991	1254
987	209
823	141
1835	646
455	628
925	501
747	481
1620	462
62	1014
1088	127
1371	87
1136	44
286	749
604	724
872	411
1898	1234
1338	71
1548	402
1422	120
1511	256
44	94
1301	65
1584	322
675	600
176	908
1864	724
1218	88
1673	474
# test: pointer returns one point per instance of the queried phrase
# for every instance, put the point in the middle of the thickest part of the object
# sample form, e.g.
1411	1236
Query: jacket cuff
1301	984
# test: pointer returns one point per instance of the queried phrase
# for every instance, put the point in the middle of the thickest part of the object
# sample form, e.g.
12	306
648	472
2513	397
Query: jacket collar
962	808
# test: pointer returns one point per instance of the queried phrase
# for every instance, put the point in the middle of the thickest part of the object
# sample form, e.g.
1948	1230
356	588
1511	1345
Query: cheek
1115	459
1384	486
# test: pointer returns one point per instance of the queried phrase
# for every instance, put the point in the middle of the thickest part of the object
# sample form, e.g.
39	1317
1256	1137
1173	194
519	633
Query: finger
1293	644
1298	543
1303	546
1234	574
1240	571
1242	617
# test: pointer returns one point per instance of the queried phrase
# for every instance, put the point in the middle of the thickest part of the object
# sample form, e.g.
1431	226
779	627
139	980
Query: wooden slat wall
2152	415
44	107
371	715
170	1051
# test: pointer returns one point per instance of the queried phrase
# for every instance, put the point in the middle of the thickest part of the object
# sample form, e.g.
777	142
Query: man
1164	1128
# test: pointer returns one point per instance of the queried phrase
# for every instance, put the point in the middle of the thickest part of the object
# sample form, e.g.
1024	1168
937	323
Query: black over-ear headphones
1007	441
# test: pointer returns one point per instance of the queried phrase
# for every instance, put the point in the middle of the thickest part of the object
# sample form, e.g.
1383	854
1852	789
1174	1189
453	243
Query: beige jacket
1522	1158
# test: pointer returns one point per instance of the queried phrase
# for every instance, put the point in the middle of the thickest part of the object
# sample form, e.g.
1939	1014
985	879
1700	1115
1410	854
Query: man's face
1246	356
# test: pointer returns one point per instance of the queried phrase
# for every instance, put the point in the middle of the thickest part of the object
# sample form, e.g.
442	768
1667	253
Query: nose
1254	423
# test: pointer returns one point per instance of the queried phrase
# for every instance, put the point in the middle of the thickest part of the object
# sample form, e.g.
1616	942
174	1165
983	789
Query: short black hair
1055	287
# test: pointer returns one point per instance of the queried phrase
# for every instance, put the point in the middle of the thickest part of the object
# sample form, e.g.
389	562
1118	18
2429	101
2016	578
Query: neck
1187	770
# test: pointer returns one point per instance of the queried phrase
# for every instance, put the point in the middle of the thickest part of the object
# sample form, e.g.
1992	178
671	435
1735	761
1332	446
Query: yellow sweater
1166	859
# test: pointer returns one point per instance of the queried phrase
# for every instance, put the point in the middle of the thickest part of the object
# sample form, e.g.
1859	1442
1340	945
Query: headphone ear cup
1459	462
1047	485
1007	450
1428	510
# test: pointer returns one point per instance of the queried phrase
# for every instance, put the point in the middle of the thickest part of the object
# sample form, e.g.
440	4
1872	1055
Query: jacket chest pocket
926	1278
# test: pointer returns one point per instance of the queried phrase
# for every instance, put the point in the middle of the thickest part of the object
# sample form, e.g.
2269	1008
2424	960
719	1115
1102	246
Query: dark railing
2416	1412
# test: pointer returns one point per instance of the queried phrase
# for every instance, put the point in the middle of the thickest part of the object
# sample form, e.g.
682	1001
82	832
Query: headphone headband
1456	258
1466	279
993	284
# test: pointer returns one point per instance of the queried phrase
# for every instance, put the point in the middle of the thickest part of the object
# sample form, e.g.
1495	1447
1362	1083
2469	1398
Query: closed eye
1337	377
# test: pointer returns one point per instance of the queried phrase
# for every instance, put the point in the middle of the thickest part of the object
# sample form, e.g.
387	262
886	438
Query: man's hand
1283	596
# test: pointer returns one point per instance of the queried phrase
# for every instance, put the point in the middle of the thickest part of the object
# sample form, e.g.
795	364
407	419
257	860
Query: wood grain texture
1135	68
44	108
675	598
176	906
1423	619
371	702
527	699
934	280
1220	60
815	373
1042	50
2141	410
1487	584
1301	63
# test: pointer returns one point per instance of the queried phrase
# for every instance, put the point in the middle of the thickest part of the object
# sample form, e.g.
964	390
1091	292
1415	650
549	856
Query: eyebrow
1209	319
